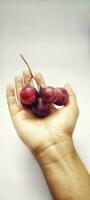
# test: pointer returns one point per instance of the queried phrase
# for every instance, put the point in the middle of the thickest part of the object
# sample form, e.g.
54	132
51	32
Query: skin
50	140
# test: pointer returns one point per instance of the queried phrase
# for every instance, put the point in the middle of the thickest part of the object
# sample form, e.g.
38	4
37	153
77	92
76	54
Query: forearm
65	174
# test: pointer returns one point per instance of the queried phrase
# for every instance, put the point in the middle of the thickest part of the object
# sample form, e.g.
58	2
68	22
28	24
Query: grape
48	94
28	95
41	109
62	97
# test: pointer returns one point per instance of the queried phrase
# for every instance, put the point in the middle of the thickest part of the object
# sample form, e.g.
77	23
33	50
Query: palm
36	132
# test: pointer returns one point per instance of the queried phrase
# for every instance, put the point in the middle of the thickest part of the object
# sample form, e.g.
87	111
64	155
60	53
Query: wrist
63	170
55	151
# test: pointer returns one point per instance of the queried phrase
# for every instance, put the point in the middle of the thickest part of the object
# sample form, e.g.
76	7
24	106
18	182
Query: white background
54	36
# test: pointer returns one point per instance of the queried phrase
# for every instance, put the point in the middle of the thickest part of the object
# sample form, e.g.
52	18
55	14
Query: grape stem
32	76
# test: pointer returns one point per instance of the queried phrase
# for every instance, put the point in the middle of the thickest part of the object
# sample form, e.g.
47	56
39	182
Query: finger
40	80
18	85
11	100
72	97
27	77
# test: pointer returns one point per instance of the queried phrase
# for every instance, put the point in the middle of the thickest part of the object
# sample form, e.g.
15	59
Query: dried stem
32	76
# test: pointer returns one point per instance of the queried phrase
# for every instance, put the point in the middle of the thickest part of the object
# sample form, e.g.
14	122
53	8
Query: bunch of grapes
40	101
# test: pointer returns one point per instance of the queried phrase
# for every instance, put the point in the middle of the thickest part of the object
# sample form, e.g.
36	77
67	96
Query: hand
39	133
50	140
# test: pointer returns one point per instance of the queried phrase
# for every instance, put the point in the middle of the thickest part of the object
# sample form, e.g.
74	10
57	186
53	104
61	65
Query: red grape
62	97
28	95
41	109
48	94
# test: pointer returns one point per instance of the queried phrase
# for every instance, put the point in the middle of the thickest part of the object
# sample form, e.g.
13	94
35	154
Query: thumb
72	102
